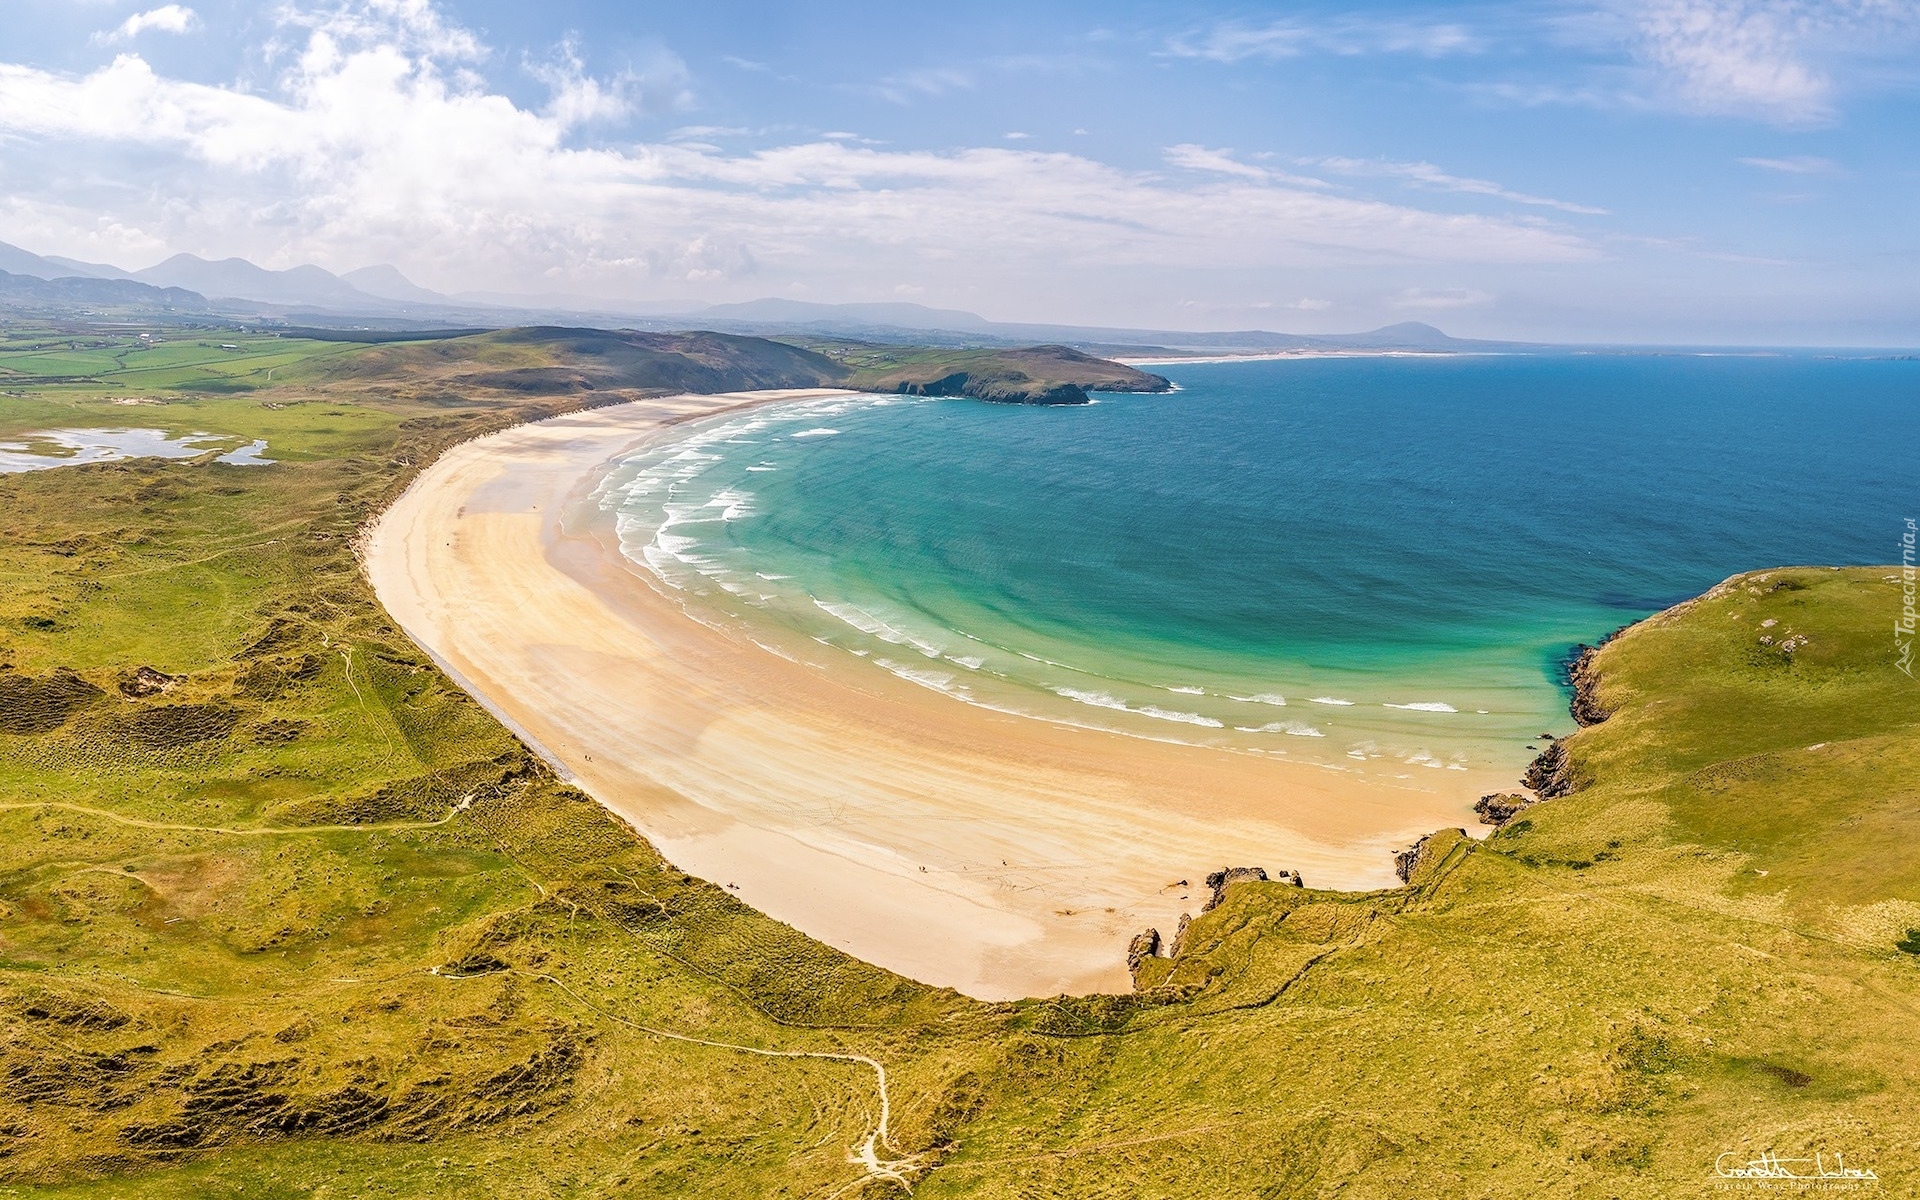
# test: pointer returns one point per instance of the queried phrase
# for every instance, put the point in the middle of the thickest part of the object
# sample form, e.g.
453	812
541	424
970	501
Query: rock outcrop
1585	704
146	682
1414	864
1548	775
1180	936
1501	807
1226	877
1145	945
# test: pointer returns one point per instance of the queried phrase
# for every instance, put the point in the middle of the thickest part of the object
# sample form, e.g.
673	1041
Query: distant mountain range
382	297
31	291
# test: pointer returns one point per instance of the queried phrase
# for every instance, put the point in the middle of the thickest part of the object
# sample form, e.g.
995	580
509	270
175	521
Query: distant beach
1281	355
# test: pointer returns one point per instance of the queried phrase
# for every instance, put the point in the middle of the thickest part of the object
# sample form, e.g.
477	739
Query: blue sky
1649	170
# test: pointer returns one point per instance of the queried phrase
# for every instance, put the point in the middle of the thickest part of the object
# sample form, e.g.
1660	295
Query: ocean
1383	560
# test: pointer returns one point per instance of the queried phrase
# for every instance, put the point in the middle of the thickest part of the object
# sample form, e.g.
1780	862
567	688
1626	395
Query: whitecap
939	681
1099	699
1296	728
1273	698
1185	718
732	503
869	624
1330	700
1424	706
1188	691
969	661
813	433
1104	700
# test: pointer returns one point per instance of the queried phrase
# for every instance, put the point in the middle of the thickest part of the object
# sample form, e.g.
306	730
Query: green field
300	919
174	360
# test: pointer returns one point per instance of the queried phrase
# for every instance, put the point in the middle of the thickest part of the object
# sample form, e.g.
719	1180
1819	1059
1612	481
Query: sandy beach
999	855
1284	355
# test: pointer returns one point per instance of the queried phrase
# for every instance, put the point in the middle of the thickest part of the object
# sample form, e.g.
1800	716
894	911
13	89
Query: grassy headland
1036	375
553	361
286	914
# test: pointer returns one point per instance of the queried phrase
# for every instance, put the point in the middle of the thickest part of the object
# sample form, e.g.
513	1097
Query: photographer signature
1771	1166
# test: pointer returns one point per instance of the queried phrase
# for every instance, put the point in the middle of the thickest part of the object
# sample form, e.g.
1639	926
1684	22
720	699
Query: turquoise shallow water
1380	559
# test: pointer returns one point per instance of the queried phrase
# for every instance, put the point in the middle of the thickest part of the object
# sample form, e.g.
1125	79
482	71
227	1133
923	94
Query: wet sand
999	855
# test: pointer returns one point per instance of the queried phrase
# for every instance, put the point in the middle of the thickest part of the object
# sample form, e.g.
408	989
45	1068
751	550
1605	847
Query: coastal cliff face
1552	773
1585	706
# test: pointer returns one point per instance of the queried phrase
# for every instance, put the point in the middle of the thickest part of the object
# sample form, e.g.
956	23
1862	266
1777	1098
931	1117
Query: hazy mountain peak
243	280
386	281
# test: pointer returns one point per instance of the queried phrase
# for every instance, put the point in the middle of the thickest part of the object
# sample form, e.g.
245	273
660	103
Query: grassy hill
557	362
284	913
1037	375
548	361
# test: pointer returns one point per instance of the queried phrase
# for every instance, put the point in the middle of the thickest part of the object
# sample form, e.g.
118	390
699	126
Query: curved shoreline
999	855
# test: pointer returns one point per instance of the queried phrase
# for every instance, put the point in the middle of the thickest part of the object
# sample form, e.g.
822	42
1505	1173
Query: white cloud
408	26
578	98
377	146
1199	158
1309	304
1443	298
1222	162
1778	60
1787	62
1734	56
1804	164
1425	174
169	18
1350	35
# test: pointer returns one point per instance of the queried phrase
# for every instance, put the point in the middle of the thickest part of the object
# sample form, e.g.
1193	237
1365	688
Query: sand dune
999	855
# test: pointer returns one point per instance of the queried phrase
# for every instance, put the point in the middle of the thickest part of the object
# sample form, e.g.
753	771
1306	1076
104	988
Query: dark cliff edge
1552	774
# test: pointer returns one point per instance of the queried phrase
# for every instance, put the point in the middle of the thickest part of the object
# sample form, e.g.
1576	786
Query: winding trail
251	831
866	1153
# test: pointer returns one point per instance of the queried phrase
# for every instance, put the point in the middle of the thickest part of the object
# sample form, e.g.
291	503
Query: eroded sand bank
999	855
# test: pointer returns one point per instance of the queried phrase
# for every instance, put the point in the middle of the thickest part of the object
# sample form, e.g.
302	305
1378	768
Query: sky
1672	171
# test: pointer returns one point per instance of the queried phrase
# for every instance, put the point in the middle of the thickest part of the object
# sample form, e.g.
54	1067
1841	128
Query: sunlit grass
309	922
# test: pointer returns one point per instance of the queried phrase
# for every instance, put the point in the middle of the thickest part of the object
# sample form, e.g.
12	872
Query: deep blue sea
1371	558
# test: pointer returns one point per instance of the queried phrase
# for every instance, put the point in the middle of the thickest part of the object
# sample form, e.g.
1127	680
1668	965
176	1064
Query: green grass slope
548	361
1036	375
287	914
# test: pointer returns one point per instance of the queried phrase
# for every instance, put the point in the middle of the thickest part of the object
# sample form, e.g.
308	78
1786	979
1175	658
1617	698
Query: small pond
48	448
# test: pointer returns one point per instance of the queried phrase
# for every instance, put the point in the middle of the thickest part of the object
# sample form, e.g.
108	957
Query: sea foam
1296	728
1105	700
